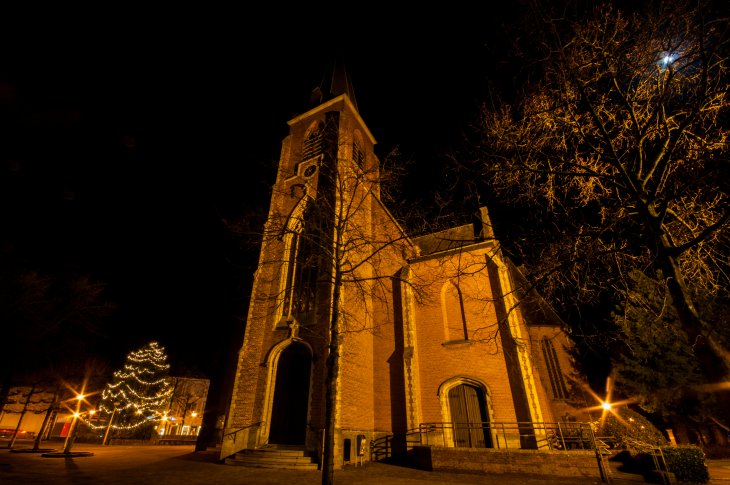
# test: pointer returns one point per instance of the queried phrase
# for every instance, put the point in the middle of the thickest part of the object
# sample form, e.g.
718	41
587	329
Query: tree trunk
708	352
46	421
333	370
22	415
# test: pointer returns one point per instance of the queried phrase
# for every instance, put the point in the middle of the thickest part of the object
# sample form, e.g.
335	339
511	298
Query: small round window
309	171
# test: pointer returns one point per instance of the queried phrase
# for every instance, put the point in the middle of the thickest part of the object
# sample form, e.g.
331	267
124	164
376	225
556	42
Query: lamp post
72	430
194	415
109	425
164	425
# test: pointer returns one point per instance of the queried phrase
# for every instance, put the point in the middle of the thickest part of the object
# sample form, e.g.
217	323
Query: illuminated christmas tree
139	393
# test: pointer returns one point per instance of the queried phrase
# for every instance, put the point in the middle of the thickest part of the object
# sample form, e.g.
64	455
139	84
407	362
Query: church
431	334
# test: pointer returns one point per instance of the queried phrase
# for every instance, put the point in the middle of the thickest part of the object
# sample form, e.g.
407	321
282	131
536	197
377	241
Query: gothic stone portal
291	396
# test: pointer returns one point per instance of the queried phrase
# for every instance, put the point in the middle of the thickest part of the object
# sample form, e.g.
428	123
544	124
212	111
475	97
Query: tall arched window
557	382
358	154
454	313
303	269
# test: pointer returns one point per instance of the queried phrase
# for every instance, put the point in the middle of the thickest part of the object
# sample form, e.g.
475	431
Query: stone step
619	476
274	456
275	452
287	465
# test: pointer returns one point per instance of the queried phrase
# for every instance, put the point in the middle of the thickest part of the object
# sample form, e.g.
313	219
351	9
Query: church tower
426	329
321	211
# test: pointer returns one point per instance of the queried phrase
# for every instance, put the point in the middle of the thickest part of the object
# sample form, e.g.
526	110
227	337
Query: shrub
628	426
687	462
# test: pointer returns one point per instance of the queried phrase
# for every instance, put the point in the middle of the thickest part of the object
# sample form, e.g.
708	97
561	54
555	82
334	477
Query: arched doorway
468	407
291	396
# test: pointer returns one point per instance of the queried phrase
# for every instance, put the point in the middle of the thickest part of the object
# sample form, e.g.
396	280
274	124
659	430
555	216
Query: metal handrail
381	448
520	434
656	453
231	435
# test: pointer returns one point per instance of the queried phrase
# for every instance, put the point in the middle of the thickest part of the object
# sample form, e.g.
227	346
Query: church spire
335	82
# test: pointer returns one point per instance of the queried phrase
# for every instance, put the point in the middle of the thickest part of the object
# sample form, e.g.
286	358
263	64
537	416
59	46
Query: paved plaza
167	465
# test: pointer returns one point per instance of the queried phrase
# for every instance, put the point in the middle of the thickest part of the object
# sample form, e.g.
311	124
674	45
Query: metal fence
564	436
510	435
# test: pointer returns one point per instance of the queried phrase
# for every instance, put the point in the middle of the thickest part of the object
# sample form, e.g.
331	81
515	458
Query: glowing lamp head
79	396
606	406
76	415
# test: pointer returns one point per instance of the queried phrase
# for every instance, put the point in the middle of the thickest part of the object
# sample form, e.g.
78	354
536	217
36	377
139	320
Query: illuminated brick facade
426	322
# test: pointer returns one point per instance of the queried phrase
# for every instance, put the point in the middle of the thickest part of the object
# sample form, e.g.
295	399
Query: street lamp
109	425
72	430
194	426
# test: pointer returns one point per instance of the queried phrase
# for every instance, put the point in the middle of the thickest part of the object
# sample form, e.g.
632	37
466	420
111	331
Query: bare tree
330	253
350	251
188	395
57	316
621	147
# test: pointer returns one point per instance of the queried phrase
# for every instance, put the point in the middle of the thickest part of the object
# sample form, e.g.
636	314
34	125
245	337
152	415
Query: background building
34	407
185	412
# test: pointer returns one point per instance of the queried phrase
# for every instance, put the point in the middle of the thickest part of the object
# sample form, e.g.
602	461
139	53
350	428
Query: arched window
454	314
358	154
312	142
557	382
303	269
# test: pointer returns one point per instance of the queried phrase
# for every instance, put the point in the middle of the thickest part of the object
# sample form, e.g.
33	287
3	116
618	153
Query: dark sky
126	140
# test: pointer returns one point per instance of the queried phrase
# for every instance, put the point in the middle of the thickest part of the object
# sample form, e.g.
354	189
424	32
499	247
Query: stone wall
489	461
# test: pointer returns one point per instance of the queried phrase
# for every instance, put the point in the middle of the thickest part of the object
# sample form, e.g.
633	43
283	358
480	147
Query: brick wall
480	358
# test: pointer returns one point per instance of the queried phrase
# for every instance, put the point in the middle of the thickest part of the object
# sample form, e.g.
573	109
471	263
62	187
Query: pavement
168	465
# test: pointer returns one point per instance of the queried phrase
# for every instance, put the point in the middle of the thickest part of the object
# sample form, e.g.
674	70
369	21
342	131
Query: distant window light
557	382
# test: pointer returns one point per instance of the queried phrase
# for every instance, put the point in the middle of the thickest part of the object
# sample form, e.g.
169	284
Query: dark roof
336	81
453	238
535	309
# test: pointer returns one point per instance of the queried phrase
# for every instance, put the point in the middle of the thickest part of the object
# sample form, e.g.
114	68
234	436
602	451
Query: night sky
126	143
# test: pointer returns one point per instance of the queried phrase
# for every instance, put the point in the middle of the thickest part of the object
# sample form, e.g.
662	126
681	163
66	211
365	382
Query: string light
141	389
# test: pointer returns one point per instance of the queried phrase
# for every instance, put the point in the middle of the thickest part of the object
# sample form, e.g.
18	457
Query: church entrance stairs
275	456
